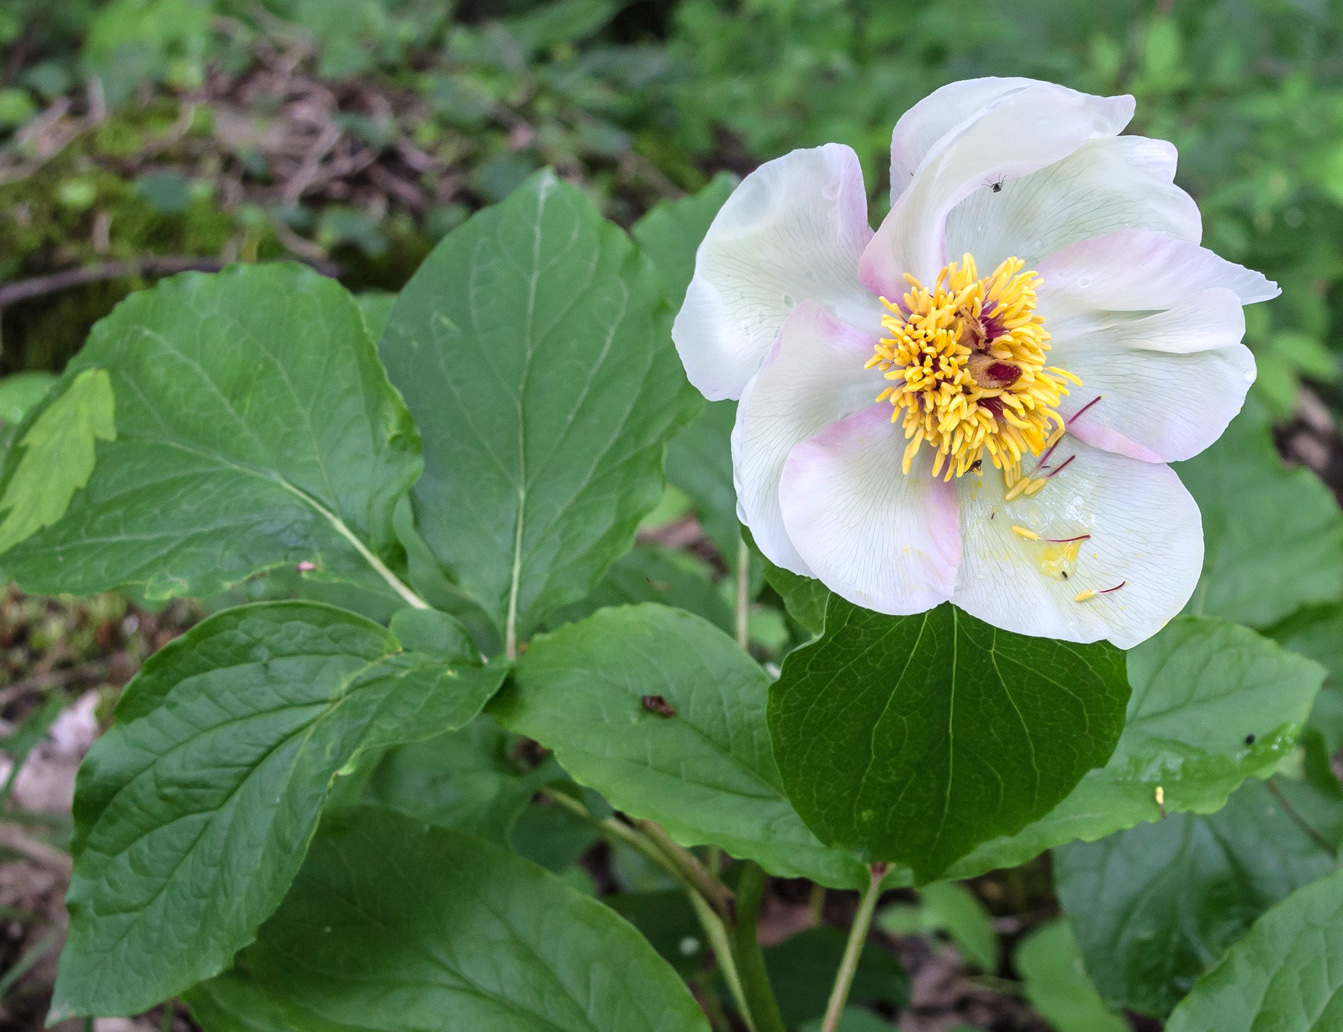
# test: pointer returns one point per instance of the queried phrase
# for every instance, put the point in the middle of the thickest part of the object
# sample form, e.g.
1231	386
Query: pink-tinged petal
872	534
1020	132
934	116
814	376
1168	383
792	231
1137	270
1145	533
1105	185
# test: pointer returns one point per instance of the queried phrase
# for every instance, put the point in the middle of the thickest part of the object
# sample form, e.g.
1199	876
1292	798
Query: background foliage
139	137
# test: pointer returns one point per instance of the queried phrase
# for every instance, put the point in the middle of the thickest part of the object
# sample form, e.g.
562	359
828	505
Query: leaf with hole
663	715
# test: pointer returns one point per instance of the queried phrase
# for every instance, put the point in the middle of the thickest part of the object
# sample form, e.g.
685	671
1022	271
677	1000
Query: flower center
967	365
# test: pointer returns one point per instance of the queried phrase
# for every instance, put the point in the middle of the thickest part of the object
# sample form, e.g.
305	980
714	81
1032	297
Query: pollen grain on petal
966	362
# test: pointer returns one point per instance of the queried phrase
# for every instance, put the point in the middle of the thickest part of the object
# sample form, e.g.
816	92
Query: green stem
743	594
651	846
750	958
853	949
715	893
716	933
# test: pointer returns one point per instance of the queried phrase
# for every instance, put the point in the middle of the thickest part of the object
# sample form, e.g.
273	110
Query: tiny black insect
1249	739
657	704
1064	573
977	465
997	187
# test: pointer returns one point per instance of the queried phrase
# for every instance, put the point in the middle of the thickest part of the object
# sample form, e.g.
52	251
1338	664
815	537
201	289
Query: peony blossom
977	402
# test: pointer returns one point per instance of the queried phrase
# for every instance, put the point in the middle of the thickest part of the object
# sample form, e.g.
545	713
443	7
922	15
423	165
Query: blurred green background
356	132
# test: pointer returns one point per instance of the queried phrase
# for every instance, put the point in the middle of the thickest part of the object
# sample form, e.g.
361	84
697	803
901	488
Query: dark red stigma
994	405
1004	374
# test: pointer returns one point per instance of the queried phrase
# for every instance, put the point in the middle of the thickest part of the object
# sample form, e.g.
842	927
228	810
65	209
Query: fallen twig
165	266
19	841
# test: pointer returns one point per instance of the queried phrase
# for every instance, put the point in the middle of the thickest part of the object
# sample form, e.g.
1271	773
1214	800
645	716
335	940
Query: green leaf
699	462
802	971
533	349
192	814
254	429
1212	704
397	926
1156	906
805	598
57	456
464	779
955	910
1273	535
671	232
21	392
1057	985
914	739
853	1019
667	920
1282	977
665	716
650	574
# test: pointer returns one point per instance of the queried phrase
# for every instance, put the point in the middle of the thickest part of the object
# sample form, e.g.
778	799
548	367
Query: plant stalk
716	933
750	958
853	949
690	870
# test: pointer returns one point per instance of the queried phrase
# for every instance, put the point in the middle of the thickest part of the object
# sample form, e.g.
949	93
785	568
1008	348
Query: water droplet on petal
1085	281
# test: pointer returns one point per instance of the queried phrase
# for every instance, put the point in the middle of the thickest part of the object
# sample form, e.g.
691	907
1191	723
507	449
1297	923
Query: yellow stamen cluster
967	361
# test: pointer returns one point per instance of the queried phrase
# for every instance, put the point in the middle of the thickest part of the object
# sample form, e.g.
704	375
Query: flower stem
853	949
690	870
750	960
743	594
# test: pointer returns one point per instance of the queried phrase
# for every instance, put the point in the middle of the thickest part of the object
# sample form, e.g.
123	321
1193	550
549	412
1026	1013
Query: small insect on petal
657	704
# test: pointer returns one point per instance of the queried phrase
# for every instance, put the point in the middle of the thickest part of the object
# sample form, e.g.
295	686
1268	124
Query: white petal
880	538
1103	186
1168	383
1137	270
792	231
934	116
813	377
1145	533
1020	132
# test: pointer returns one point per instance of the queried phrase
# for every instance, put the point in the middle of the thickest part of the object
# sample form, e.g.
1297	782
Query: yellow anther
967	363
1082	596
1029	535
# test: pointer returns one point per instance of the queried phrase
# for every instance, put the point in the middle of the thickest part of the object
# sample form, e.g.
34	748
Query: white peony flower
977	402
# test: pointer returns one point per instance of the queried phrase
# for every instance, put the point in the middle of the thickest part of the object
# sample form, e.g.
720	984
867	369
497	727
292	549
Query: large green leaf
1273	535
671	232
1212	704
699	462
699	458
914	739
665	716
464	779
395	926
651	574
1284	976
1156	906
533	349
254	429
192	814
